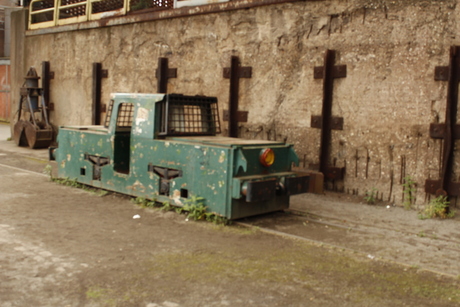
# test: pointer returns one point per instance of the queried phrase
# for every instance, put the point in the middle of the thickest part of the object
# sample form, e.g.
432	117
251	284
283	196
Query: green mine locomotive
165	147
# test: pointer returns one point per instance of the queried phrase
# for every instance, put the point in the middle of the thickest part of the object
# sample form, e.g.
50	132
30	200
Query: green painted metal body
138	161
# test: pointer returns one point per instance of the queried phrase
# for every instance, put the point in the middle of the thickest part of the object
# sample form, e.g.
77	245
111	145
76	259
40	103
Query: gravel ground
62	246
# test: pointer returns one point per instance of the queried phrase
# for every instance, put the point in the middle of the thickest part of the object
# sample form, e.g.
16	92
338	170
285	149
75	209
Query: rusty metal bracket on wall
163	73
47	76
233	115
97	107
450	130
326	122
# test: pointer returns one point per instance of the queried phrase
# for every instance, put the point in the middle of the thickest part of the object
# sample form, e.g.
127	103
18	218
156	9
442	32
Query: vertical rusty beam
163	73
97	109
233	115
47	75
324	152
326	122
451	115
450	130
97	88
233	98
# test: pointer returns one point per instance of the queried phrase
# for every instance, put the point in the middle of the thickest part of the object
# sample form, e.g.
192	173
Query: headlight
267	157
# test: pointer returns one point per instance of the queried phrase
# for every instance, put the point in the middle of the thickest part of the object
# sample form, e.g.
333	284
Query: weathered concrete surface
387	100
63	246
17	57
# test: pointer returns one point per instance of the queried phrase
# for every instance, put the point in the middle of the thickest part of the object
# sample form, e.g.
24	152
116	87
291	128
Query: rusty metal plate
316	121
172	73
334	173
261	190
318	72
226	72
441	73
314	167
433	186
438	131
241	116
243	72
336	122
316	183
338	71
297	185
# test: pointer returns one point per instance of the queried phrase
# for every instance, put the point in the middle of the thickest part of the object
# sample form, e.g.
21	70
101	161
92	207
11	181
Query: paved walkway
5	135
62	246
5	131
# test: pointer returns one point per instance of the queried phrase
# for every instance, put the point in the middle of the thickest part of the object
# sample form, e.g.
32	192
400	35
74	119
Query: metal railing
50	13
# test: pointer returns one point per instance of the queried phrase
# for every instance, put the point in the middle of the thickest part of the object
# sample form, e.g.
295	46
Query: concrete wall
17	57
387	100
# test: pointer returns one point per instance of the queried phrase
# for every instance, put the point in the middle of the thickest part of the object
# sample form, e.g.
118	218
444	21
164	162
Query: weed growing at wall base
438	207
370	196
